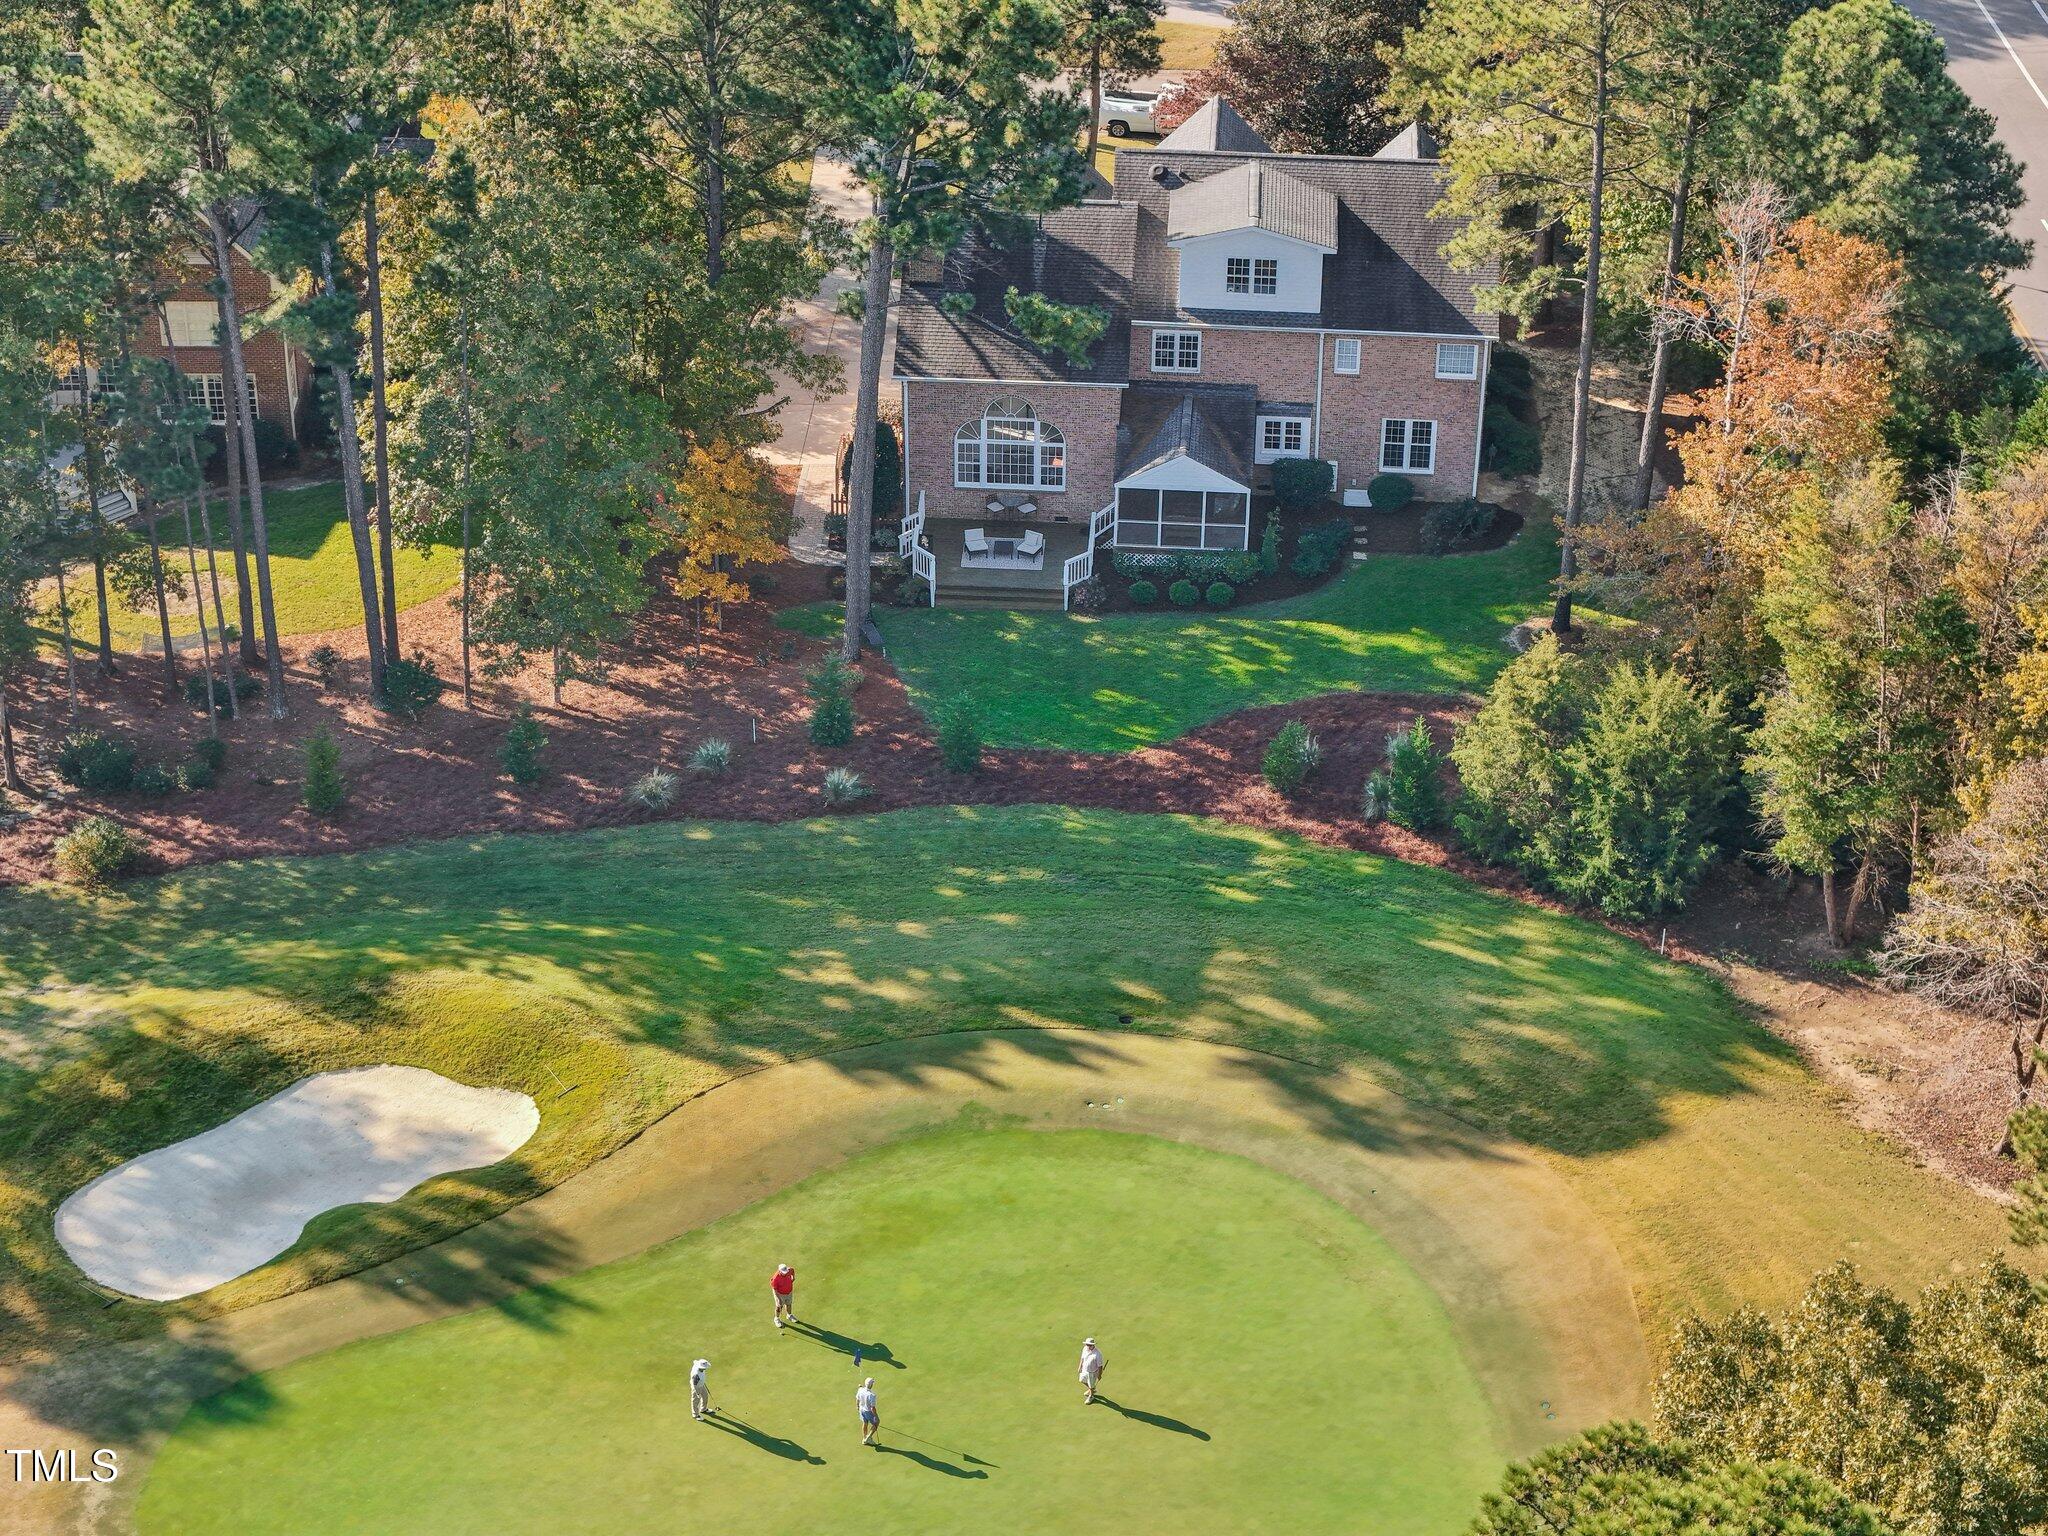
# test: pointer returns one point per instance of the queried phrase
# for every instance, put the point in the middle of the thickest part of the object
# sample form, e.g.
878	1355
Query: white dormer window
1251	274
1345	358
1457	360
1176	351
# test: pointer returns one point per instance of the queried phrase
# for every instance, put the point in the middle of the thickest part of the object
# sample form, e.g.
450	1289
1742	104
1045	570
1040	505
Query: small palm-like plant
713	756
654	790
843	787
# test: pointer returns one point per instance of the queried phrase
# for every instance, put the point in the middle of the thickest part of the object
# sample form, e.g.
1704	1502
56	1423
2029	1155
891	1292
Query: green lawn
613	973
312	573
1117	681
1273	1365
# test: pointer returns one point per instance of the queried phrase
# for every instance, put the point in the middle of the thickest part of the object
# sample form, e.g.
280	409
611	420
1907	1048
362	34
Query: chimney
1038	257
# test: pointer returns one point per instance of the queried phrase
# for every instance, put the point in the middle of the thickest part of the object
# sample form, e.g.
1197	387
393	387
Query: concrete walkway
814	421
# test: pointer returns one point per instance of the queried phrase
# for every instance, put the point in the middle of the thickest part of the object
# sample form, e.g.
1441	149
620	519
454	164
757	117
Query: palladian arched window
1010	448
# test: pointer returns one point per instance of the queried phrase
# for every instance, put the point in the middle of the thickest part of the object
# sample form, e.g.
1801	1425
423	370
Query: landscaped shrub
888	477
325	789
959	723
95	853
1238	567
1135	565
1509	445
1299	483
155	779
712	757
1510	381
197	773
654	790
411	685
1269	543
1452	523
1602	781
1184	594
1291	756
210	750
1219	594
1389	493
95	761
519	756
831	688
843	786
245	687
1321	546
1413	794
1143	593
326	662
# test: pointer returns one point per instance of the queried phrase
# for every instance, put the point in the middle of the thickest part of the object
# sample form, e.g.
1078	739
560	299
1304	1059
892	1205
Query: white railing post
912	530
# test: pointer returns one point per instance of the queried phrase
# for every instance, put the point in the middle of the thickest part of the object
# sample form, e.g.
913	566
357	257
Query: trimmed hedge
95	761
1144	593
1184	594
1321	546
1389	493
1238	567
1299	483
1220	594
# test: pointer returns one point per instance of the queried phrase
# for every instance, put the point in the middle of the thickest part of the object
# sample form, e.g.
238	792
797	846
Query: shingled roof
1216	125
1388	272
1198	422
1253	195
1077	255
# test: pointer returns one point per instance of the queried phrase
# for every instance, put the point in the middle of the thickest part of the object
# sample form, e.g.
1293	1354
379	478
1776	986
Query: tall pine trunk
468	457
860	496
69	647
1660	360
351	449
89	467
238	530
10	771
213	684
237	383
1094	97
227	658
1582	384
163	607
380	421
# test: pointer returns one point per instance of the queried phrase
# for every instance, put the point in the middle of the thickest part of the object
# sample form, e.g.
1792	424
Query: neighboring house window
1176	351
1282	437
71	386
190	323
1408	447
1457	360
1346	358
1248	274
1009	448
207	387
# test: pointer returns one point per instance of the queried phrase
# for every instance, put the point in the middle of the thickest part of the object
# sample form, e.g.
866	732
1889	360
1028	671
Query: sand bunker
189	1216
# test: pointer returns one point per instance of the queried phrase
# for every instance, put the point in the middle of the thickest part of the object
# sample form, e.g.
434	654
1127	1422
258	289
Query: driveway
1998	54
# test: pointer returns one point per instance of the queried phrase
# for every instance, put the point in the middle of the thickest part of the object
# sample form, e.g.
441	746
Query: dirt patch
1400	532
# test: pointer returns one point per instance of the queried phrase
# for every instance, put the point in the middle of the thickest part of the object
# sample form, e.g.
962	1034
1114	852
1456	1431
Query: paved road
1998	53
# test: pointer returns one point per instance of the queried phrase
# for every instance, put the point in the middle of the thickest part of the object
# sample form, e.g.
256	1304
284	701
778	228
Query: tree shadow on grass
1156	1420
867	1354
774	1445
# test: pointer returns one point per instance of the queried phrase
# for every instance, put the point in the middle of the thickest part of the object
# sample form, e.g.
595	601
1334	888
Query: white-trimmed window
1251	274
1457	359
1408	447
1176	351
191	323
1344	355
1010	448
207	387
1282	437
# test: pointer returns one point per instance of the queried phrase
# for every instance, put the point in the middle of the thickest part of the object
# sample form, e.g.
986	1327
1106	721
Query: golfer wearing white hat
1091	1369
870	1412
783	1288
700	1389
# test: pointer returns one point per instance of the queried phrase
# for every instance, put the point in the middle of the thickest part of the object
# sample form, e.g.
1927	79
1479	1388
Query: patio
1003	572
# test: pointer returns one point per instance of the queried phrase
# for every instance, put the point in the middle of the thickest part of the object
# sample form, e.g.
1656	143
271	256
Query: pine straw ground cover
613	973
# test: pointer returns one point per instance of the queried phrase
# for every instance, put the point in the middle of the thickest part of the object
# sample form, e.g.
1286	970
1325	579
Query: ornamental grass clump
712	757
654	790
843	787
1291	756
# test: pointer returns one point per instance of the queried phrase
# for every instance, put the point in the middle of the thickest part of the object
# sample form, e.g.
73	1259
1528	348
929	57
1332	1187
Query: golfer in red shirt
784	1287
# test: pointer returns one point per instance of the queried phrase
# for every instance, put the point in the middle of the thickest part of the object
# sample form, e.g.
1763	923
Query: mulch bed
1400	532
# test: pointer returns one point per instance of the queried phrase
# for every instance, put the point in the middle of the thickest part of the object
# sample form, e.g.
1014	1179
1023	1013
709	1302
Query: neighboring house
1261	306
187	333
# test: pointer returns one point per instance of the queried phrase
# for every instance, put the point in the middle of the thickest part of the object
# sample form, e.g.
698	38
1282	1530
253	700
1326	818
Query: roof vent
1256	190
1163	174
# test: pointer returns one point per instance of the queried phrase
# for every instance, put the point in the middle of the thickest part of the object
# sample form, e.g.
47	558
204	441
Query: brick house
280	375
1262	306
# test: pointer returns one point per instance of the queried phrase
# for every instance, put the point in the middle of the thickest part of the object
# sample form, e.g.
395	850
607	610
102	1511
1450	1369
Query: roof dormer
1252	238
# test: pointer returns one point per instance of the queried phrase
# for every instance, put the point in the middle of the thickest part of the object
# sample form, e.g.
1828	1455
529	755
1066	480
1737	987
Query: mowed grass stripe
613	973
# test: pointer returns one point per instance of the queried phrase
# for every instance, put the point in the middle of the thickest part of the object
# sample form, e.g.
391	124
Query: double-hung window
1457	359
1251	274
191	323
206	389
1282	437
1176	351
1408	447
1010	448
1344	355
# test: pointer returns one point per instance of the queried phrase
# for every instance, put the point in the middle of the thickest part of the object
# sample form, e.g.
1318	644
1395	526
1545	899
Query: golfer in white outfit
1091	1369
870	1413
700	1389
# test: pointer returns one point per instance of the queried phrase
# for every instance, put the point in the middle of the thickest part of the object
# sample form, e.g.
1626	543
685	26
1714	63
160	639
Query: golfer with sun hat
1092	1365
784	1287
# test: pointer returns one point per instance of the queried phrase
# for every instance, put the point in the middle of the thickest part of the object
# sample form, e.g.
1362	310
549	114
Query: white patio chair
1032	544
975	541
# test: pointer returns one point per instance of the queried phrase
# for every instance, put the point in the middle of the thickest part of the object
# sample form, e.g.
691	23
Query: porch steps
961	594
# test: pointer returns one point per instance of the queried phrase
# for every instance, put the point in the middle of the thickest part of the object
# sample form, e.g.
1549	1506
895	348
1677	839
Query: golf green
1273	1366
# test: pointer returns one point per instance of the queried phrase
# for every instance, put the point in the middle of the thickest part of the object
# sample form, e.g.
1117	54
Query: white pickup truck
1127	112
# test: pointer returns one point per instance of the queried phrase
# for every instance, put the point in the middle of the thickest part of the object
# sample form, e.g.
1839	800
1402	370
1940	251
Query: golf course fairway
1273	1366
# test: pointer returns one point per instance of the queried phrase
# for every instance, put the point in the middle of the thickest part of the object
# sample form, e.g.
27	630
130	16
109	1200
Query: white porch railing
1081	567
922	561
